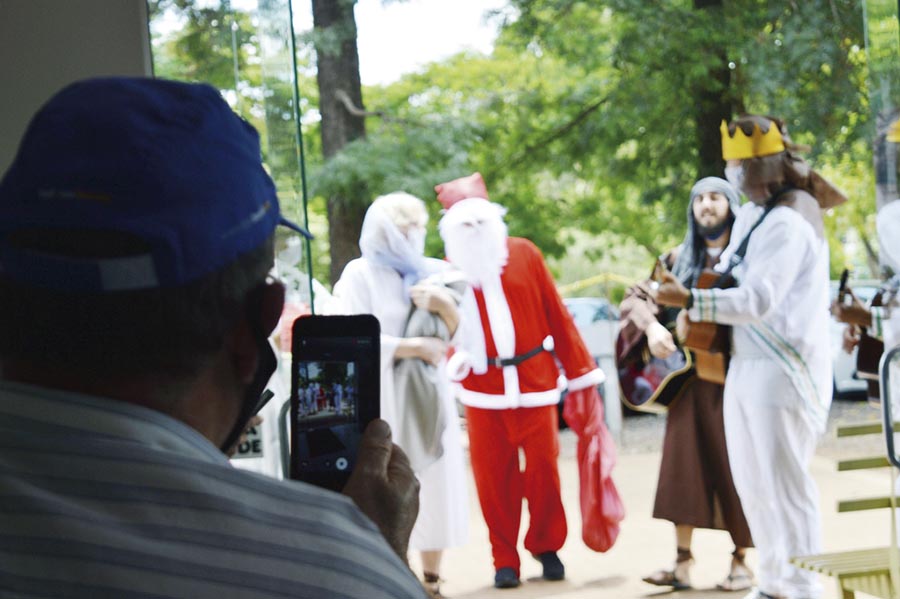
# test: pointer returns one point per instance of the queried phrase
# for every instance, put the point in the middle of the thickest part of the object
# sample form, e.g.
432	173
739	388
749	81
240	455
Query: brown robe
695	485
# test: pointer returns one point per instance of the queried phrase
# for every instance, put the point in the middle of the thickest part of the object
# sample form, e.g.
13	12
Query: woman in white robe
383	283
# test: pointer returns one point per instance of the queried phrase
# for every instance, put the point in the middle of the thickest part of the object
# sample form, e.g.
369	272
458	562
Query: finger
400	470
375	449
668	277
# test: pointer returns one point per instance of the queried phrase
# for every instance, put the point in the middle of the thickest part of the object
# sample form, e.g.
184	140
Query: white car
846	383
597	321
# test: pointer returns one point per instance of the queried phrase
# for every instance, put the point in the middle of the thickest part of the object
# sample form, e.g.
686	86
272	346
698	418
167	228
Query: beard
713	232
477	247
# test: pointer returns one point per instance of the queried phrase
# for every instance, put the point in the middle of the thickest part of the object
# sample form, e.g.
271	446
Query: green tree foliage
246	55
797	60
199	45
586	114
598	115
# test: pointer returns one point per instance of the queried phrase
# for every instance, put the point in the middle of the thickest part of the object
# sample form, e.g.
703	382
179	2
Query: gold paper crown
893	133
758	144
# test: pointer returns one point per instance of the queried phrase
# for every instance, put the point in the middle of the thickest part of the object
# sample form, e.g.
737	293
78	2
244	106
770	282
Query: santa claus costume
509	378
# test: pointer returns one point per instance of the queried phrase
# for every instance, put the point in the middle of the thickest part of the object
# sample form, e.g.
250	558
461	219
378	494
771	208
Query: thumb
668	277
375	449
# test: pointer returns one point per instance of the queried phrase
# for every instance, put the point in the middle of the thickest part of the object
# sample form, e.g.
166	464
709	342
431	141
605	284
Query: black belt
517	359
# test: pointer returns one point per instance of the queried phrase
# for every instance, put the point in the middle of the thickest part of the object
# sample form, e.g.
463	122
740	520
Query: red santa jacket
537	311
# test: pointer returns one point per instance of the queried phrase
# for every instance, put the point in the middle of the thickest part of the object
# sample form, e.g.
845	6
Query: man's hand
850	338
384	486
854	313
433	298
671	292
430	349
659	341
437	300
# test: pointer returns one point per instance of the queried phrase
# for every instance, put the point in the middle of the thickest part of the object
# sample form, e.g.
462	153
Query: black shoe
506	578
553	568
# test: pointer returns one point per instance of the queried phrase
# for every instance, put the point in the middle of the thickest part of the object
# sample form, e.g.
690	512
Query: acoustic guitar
710	342
651	384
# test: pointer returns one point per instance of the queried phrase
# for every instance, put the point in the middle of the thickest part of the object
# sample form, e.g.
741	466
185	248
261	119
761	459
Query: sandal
432	585
670	578
667	578
740	578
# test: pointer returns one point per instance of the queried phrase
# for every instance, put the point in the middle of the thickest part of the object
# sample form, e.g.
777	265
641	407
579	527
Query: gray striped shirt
100	498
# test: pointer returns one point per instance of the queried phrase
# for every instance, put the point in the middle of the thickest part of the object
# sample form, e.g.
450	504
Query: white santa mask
474	237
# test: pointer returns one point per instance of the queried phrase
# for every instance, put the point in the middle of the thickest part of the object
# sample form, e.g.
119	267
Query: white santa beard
478	250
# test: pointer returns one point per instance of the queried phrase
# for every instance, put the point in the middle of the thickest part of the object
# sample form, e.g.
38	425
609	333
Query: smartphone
335	393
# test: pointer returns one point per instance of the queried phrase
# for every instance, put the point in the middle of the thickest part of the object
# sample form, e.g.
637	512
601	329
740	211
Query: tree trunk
714	104
338	71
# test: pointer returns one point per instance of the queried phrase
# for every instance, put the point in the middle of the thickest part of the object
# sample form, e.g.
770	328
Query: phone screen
335	394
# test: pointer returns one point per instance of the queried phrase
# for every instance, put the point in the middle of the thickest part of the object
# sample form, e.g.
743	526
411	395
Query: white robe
778	388
367	288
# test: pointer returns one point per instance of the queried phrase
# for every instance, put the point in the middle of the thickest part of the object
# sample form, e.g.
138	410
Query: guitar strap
774	345
725	279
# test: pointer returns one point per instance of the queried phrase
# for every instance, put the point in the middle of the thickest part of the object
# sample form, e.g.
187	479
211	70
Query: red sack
601	506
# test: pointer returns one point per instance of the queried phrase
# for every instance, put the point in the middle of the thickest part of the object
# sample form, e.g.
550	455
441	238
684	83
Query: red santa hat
463	188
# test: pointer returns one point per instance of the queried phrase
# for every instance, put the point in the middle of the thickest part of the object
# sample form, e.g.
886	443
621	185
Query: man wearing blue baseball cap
136	234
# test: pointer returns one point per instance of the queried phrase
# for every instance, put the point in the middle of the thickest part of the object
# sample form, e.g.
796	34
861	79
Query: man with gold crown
779	382
509	378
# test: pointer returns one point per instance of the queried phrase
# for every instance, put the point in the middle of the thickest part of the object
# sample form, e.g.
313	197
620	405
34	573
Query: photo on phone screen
334	395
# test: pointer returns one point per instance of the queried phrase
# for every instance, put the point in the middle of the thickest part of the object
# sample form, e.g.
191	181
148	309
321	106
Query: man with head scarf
779	382
509	377
695	488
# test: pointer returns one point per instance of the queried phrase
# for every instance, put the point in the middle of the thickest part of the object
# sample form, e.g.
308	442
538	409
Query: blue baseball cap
167	162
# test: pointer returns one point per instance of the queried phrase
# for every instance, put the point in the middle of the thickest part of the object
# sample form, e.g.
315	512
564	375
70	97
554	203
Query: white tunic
778	387
781	307
367	288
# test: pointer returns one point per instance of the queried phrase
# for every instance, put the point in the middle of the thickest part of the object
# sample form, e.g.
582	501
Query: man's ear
270	306
262	310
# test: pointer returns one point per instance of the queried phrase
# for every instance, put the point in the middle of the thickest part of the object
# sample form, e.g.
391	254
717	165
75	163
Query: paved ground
646	544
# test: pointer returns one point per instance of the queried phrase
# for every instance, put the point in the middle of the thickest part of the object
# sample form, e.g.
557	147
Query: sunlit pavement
645	544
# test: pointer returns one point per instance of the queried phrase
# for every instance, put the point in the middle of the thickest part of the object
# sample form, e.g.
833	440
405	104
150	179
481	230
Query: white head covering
382	242
888	222
692	254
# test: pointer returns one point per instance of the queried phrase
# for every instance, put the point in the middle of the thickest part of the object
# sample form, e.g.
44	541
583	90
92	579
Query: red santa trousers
495	437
